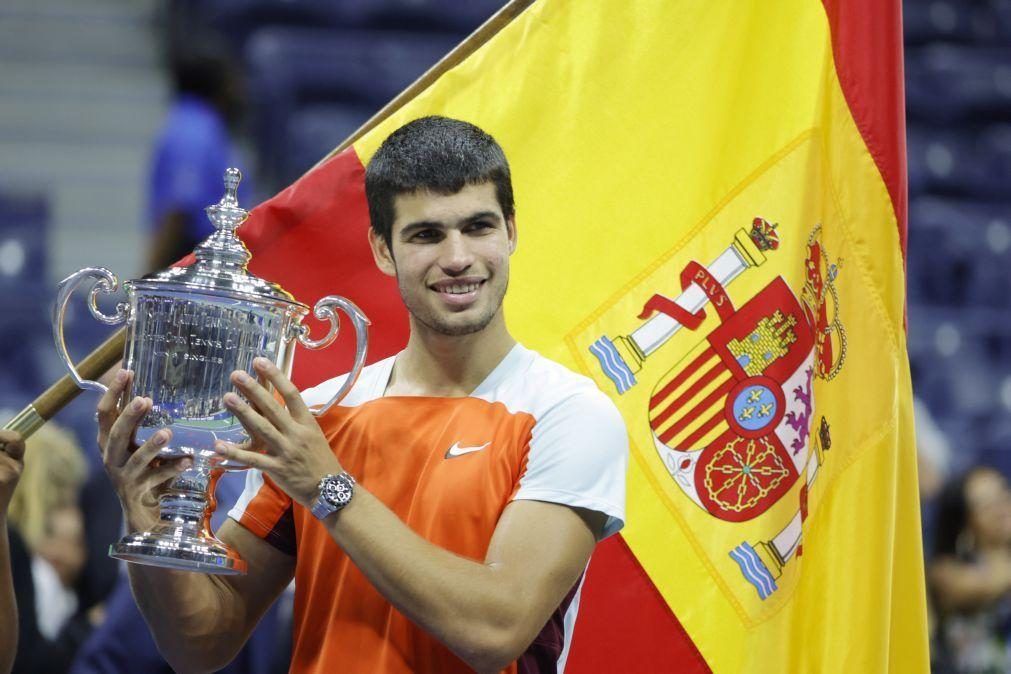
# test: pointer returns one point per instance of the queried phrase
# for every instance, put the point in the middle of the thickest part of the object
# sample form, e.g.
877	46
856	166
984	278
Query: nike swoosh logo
457	450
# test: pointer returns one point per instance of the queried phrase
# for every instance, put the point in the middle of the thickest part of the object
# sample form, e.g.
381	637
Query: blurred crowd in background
117	121
958	112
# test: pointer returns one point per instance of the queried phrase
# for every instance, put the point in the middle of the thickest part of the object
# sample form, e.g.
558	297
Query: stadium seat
23	226
969	161
958	252
995	440
237	20
418	15
292	68
1001	13
976	82
942	158
948	20
994	156
24	295
311	65
314	130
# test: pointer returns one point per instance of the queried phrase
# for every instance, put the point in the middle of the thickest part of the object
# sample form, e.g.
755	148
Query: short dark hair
437	154
202	71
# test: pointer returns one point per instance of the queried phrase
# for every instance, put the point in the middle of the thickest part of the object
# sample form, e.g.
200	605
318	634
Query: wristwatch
335	492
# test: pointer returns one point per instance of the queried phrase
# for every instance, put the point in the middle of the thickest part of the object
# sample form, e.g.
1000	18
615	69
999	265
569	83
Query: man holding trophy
442	516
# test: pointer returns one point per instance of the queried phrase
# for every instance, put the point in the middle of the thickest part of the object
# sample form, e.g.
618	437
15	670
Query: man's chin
458	329
457	324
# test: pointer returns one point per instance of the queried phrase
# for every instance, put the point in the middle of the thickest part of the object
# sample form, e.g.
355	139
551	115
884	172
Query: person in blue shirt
191	153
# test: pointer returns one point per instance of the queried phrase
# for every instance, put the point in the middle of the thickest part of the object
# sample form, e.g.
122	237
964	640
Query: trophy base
179	548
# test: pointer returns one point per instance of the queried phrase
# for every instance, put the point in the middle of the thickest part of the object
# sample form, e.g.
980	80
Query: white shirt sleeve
578	457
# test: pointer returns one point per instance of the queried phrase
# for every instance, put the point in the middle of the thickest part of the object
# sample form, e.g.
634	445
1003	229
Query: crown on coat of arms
764	234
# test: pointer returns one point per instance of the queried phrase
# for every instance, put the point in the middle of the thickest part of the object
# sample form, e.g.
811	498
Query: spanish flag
711	214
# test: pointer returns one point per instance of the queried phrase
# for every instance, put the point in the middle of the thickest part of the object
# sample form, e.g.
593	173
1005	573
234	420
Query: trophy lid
222	257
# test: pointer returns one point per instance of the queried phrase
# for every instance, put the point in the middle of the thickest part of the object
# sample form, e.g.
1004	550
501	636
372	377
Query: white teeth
460	289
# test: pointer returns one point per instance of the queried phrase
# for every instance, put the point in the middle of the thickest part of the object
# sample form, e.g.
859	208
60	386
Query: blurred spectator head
55	470
974	513
64	545
209	73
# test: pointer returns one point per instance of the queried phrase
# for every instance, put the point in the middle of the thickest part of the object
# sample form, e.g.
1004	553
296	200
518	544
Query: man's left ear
381	253
511	230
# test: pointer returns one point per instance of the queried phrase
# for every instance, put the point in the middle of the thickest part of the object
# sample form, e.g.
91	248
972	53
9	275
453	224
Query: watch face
335	491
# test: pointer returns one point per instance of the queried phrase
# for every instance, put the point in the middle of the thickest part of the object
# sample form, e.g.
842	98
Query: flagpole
60	394
99	361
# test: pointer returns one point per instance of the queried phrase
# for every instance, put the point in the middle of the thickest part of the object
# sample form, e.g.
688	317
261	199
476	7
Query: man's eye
426	235
480	226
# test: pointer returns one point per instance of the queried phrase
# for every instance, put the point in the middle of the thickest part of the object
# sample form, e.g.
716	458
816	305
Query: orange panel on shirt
404	464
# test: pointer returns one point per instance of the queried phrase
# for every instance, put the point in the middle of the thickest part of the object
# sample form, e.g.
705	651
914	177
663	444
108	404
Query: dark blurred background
117	119
958	110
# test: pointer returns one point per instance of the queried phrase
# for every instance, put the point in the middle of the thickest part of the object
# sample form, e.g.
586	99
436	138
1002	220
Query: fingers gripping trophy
188	329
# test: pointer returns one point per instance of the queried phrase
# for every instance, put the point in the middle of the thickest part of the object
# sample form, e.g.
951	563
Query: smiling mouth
459	288
458	293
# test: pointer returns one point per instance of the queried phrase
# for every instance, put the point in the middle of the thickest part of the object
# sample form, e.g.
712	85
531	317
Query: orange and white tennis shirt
447	467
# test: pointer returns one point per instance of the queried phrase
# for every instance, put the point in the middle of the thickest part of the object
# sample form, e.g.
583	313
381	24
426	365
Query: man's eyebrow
483	215
419	225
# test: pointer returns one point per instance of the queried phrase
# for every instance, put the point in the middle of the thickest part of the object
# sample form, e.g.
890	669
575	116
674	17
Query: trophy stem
183	539
188	501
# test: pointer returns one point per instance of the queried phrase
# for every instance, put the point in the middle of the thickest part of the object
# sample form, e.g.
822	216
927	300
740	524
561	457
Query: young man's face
450	255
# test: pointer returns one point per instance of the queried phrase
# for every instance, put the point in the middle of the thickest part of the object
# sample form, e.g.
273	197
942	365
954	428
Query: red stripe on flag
711	374
867	46
696	412
624	623
680	378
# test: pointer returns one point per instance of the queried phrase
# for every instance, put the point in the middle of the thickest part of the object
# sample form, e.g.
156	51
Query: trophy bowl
188	329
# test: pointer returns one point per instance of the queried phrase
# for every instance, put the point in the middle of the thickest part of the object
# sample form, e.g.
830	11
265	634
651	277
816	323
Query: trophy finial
224	246
226	214
233	177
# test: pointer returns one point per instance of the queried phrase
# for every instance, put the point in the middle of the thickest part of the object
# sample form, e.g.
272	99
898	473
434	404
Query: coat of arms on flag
732	420
719	373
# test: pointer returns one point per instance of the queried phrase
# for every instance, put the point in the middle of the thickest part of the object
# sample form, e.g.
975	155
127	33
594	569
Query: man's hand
297	453
12	453
136	472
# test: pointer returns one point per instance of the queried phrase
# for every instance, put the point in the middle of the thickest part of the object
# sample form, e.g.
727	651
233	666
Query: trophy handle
324	310
105	282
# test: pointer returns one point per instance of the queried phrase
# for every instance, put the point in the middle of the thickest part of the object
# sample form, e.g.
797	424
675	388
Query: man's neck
448	365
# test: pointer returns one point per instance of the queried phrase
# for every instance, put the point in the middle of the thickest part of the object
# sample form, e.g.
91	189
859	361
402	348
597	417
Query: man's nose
456	254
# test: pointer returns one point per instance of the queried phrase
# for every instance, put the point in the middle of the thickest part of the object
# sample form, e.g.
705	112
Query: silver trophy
188	329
